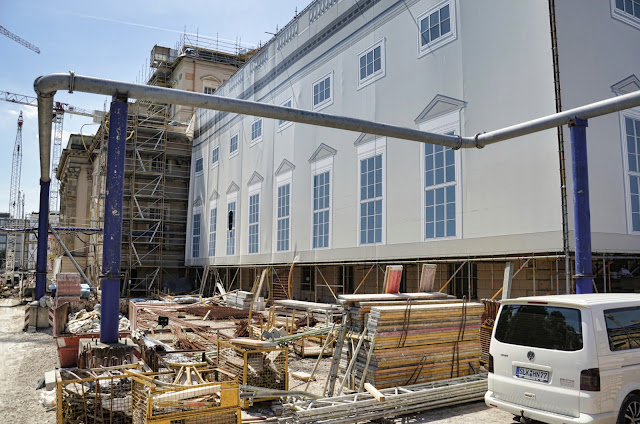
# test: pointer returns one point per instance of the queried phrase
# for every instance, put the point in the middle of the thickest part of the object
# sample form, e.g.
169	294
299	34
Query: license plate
533	375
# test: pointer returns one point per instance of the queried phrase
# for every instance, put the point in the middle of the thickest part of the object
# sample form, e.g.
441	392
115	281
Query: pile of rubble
85	321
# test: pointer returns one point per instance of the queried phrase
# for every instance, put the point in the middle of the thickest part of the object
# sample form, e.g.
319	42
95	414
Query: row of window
435	27
439	204
440	194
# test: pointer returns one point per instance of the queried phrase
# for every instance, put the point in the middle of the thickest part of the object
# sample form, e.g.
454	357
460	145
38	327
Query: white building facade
271	192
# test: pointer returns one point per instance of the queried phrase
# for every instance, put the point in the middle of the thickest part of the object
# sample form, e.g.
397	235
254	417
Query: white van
567	359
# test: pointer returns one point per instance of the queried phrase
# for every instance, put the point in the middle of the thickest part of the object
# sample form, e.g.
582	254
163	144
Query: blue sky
108	40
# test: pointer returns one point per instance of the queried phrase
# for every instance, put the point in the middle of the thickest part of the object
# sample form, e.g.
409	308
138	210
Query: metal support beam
112	244
43	234
71	258
581	211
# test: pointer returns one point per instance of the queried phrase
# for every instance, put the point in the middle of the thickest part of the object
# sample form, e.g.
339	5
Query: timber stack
416	338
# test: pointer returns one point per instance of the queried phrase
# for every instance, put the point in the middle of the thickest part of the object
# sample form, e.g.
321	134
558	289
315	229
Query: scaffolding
157	166
163	60
475	277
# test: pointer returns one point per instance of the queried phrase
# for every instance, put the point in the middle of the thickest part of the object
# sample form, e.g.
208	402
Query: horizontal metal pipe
592	110
52	83
48	84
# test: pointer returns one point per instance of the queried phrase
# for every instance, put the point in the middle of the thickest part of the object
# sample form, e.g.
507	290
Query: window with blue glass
213	217
632	135
436	27
629	7
195	240
321	209
233	145
283	219
256	130
371	200
440	191
370	64
281	123
199	165
231	228
254	223
322	92
215	156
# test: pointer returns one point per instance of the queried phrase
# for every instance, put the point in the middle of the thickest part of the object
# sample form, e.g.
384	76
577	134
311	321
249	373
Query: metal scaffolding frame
157	164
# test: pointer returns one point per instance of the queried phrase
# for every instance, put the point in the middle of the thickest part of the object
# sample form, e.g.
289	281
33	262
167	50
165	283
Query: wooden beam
374	392
452	277
327	283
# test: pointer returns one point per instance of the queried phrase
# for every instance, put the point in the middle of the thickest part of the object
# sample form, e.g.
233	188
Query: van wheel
630	411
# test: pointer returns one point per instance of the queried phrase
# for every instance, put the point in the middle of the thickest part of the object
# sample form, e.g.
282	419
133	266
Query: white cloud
30	112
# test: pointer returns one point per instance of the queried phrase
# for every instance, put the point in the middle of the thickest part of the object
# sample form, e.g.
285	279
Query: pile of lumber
390	403
214	312
325	313
240	299
358	309
414	344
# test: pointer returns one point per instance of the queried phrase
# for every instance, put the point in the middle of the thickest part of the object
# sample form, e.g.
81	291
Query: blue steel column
112	240
43	235
581	211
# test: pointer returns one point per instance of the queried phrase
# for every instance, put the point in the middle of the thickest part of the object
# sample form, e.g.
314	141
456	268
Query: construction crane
59	109
15	200
19	40
16	170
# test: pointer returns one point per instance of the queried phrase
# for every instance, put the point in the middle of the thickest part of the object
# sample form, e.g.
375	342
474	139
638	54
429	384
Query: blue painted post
112	233
43	235
581	211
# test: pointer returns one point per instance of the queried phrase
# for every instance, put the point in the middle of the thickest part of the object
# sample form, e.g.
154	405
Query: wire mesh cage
265	367
92	396
126	395
209	403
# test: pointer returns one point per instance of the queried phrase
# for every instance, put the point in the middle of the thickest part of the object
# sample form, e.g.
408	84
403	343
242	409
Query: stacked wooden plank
325	313
363	407
359	311
420	343
240	299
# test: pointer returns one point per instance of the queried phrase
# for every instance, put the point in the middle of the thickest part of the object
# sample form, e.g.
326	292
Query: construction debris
89	322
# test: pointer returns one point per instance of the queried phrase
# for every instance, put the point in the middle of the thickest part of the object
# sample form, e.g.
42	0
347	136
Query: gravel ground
25	358
306	365
472	413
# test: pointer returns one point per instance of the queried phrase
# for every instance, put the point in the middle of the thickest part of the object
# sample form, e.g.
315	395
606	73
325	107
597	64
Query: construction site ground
27	356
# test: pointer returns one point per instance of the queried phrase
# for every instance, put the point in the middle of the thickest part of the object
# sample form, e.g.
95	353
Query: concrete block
38	316
50	379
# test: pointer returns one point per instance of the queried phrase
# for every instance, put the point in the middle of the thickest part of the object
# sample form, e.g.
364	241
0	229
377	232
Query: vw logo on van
531	356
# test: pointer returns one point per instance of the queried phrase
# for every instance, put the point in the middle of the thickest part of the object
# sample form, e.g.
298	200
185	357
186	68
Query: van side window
623	328
547	327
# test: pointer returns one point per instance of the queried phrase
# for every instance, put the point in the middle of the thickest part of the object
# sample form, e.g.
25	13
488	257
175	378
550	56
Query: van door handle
529	395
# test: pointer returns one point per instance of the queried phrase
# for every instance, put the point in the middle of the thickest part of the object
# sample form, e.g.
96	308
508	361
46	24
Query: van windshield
547	327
